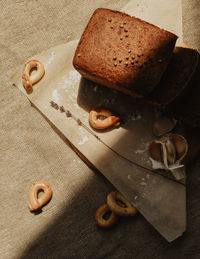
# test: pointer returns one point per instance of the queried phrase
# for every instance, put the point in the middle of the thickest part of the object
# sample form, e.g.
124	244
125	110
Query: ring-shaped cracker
110	119
100	217
120	205
29	80
36	203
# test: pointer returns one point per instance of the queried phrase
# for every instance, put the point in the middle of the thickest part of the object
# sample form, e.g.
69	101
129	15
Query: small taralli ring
29	80
104	217
108	121
36	203
119	204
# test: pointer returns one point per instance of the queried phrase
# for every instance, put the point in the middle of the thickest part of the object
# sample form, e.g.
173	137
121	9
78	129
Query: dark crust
176	77
188	109
101	42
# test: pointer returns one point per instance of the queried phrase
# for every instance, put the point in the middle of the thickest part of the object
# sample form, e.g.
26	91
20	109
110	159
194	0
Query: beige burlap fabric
191	22
32	150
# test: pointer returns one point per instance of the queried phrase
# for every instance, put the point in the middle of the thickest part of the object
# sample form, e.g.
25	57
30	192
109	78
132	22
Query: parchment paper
63	85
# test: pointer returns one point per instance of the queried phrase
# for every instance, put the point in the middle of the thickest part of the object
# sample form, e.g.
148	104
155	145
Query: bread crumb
56	96
50	60
83	141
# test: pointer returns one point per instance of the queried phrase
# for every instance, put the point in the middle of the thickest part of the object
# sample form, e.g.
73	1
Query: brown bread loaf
123	52
174	84
178	92
189	107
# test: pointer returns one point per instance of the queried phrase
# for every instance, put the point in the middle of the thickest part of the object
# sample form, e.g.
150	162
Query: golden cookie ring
104	217
36	203
119	204
29	80
109	120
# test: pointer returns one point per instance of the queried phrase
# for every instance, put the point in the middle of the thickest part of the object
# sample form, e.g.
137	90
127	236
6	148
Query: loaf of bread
187	108
174	84
123	52
178	92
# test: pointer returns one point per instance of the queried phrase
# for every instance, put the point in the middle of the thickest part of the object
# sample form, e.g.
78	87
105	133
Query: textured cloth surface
32	150
191	22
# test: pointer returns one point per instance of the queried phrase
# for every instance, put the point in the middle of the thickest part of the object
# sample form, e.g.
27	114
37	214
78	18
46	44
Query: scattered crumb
140	151
69	81
76	106
72	97
129	177
95	89
134	116
84	140
138	117
82	131
50	60
56	96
